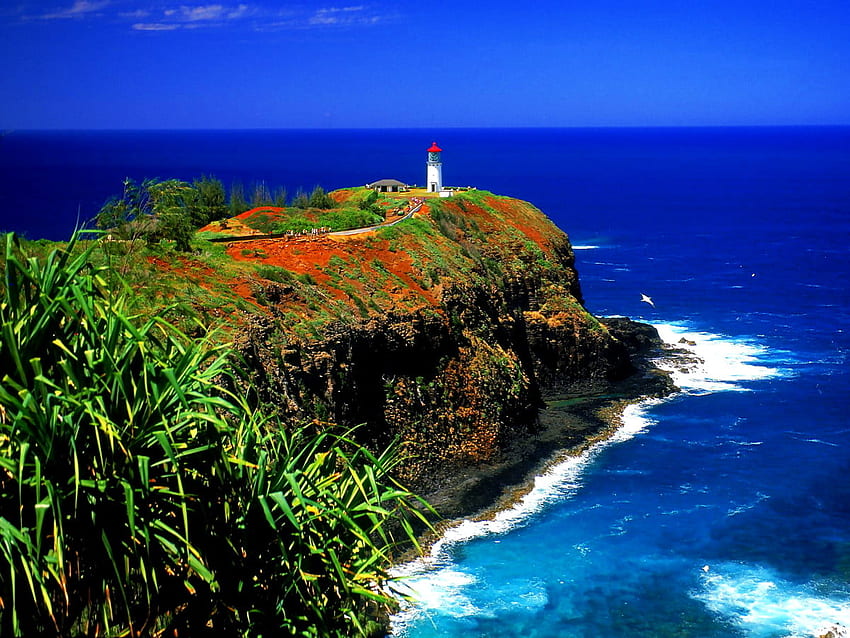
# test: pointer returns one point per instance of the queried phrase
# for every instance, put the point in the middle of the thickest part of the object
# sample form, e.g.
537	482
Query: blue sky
259	64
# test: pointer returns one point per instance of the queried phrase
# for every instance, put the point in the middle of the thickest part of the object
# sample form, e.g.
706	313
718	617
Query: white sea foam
740	508
761	603
435	582
720	363
818	441
585	247
443	590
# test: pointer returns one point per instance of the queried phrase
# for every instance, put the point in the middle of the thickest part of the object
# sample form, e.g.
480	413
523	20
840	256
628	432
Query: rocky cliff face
446	331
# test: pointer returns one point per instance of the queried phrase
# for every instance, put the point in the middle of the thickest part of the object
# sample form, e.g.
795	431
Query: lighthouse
434	174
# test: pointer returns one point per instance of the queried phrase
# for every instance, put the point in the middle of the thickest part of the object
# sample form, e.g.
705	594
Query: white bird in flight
647	299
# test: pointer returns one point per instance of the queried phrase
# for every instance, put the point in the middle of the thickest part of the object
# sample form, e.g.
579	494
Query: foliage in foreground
141	496
171	210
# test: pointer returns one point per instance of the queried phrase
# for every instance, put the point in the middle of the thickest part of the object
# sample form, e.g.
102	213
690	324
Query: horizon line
8	131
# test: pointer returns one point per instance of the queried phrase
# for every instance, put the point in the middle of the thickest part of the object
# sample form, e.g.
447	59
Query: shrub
212	201
139	494
320	199
295	222
264	222
300	200
274	273
347	218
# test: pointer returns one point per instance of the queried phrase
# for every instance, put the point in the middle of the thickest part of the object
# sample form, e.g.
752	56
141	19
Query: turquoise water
699	518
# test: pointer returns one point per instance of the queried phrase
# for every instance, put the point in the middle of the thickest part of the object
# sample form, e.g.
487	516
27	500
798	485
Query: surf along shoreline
569	425
542	469
697	363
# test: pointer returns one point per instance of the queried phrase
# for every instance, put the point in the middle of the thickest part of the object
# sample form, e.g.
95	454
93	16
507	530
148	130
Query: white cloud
323	19
343	16
78	9
208	12
239	12
154	26
172	15
193	16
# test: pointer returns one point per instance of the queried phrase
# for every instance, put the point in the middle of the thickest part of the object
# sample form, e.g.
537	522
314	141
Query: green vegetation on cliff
445	330
173	210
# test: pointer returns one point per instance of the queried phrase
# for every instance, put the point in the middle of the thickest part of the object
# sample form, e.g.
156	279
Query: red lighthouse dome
434	175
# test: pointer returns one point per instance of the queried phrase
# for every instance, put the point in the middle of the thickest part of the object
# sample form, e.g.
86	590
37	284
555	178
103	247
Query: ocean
721	511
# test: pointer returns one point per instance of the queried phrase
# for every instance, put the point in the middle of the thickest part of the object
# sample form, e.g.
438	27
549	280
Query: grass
275	273
348	218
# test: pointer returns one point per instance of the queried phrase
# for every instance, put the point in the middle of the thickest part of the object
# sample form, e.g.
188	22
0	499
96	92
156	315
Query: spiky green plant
108	430
319	505
140	496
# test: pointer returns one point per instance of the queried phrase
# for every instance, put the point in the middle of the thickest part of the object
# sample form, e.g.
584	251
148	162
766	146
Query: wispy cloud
154	26
194	16
79	9
241	11
330	18
343	16
168	15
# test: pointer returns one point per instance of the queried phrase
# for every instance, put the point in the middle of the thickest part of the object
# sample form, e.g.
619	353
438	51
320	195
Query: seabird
646	299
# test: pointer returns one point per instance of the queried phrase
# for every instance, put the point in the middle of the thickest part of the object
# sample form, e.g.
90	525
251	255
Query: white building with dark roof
388	186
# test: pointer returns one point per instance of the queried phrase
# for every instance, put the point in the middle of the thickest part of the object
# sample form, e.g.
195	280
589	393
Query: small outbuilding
388	186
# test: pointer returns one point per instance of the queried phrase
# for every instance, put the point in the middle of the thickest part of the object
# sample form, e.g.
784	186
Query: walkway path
415	205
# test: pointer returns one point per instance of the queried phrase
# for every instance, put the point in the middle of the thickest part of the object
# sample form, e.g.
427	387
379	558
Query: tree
113	215
279	197
118	213
212	201
174	205
237	203
320	199
301	200
163	210
260	195
175	225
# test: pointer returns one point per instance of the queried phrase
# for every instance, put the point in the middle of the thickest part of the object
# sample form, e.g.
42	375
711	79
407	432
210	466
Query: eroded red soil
314	256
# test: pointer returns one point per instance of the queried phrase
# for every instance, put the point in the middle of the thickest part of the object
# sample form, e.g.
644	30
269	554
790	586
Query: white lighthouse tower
434	174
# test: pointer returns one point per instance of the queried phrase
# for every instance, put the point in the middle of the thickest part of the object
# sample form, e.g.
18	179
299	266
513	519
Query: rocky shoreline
568	425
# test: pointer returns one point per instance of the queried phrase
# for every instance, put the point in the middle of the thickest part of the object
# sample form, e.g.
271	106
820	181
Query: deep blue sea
722	511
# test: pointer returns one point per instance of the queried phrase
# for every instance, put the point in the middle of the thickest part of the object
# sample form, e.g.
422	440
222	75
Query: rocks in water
833	631
638	337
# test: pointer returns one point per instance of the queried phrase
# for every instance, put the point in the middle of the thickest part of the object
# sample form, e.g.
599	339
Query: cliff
447	330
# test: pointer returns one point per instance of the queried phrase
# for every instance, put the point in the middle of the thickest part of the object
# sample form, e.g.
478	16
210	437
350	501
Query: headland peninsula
450	331
452	328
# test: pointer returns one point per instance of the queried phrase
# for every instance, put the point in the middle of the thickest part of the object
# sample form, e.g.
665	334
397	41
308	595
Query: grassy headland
168	458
